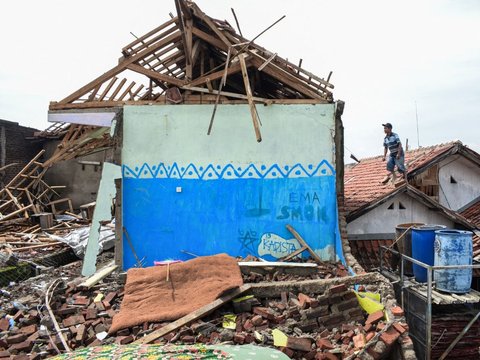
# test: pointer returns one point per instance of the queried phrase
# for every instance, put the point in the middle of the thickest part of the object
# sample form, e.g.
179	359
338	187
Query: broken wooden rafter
208	21
284	77
251	104
107	88
118	88
268	61
222	83
303	243
126	91
233	69
209	39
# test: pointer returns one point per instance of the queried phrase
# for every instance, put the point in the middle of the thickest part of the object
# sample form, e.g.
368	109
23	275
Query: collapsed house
218	146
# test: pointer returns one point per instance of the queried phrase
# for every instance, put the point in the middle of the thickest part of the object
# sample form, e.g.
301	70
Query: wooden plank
155	75
304	244
14	199
6	217
33	247
181	26
158	55
224	93
148	34
253	110
107	88
99	275
233	69
126	91
16	177
209	39
284	77
199	13
189	47
135	93
293	254
121	67
197	314
118	88
5	204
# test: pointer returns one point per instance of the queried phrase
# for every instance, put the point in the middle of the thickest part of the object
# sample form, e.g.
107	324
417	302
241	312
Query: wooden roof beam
235	68
155	75
209	39
284	77
121	67
147	35
200	14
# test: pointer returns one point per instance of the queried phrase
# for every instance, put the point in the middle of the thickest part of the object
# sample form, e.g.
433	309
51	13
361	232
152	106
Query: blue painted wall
185	192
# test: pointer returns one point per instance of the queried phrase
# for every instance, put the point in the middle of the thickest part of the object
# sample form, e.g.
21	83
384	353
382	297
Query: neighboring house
441	180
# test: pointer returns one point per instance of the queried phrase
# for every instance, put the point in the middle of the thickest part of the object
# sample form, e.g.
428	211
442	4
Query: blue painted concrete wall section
239	202
240	217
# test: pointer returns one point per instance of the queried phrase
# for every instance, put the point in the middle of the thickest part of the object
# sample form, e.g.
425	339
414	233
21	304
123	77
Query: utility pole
416	116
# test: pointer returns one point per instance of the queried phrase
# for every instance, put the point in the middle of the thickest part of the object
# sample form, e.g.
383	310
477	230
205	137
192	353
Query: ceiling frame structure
190	52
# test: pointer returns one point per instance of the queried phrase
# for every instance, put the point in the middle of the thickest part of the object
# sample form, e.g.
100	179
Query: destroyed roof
363	181
194	53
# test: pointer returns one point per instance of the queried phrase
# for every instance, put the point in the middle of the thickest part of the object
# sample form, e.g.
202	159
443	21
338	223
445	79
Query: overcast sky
385	56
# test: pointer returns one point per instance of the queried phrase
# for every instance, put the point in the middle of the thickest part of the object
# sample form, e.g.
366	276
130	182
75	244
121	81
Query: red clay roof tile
472	213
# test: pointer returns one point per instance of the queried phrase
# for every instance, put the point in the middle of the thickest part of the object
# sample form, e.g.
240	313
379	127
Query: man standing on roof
392	143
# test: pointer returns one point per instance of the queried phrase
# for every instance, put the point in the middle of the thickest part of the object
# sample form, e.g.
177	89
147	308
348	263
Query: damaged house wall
15	149
80	176
184	191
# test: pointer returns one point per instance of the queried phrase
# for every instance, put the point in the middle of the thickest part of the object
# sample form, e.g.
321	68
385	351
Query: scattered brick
73	320
301	344
369	336
338	289
15	339
324	344
359	341
239	339
4	324
304	300
399	328
397	311
390	336
29	330
374	317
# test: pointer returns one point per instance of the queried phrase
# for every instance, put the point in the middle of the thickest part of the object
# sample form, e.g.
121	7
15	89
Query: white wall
383	220
467	176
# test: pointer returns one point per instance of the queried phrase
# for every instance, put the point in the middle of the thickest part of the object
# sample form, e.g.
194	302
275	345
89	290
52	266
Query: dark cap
388	125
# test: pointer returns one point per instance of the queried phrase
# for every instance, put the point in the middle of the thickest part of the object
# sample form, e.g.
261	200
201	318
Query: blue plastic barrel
453	247
423	238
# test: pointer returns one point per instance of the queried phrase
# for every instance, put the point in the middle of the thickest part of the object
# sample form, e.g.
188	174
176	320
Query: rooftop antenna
416	116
